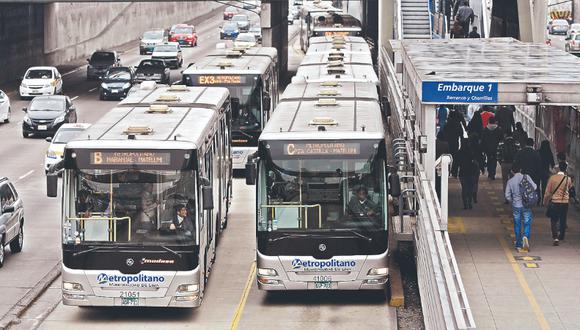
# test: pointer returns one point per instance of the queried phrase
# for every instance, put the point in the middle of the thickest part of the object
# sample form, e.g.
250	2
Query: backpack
509	151
529	194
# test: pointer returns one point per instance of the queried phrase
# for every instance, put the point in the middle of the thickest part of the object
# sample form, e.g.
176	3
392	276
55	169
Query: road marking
244	298
74	98
455	225
524	284
93	89
25	175
73	71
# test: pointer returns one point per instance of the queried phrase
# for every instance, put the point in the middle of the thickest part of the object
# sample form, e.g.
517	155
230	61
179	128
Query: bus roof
318	6
302	119
330	89
270	52
344	57
325	47
243	64
330	39
182	125
352	72
177	96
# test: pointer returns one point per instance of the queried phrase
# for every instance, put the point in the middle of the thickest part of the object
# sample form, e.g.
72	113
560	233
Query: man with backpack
506	152
521	191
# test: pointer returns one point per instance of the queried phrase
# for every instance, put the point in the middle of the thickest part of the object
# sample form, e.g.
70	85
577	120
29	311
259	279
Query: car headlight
71	286
22	84
104	86
127	86
52	155
188	288
27	120
60	118
378	271
267	272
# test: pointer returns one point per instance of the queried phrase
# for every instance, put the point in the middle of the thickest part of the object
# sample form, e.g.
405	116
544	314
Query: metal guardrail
399	19
443	297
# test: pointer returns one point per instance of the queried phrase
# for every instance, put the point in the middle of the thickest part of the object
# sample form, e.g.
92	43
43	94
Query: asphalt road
232	298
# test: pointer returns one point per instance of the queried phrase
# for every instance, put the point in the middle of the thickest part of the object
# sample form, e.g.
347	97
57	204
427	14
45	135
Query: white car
4	107
65	133
40	80
170	52
245	40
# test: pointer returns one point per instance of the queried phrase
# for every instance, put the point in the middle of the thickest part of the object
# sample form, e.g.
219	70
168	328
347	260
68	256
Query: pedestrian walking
442	113
453	134
520	192
474	34
486	115
505	119
520	135
528	160
546	165
468	169
475	124
465	16
506	152
557	198
489	142
471	110
457	31
475	145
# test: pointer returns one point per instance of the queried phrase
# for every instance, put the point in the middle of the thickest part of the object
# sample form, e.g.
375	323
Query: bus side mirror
51	185
395	185
267	103
207	192
251	171
386	106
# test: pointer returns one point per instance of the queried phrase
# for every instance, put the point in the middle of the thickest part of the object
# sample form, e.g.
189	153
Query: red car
183	34
229	12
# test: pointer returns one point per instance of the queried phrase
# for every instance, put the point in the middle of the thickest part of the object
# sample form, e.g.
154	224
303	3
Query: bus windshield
132	207
322	186
247	118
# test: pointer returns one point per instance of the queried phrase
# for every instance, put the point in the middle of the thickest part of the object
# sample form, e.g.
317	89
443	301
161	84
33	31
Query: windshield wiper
284	236
356	233
170	250
95	249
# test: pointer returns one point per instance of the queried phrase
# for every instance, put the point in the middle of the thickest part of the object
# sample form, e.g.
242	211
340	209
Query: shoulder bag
550	209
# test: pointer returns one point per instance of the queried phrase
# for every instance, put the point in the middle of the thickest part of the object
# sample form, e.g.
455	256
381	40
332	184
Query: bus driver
361	207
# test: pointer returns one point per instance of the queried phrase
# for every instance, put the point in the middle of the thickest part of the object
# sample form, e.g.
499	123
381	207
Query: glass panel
39	74
322	192
65	135
142	207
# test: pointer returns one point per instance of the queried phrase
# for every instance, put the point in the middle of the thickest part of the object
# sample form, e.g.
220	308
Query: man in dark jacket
505	119
528	159
465	17
506	152
489	142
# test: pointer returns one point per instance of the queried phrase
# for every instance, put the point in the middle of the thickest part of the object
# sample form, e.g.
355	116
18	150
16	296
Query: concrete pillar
428	128
386	22
532	20
274	23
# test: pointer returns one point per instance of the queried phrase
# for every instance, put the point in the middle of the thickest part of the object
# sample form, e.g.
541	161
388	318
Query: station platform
507	289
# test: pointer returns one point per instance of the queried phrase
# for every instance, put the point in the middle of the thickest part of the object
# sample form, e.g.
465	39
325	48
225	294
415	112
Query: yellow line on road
244	298
524	284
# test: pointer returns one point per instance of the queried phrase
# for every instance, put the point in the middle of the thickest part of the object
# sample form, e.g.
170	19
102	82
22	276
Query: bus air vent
330	83
335	64
323	121
168	98
326	102
140	130
338	25
178	88
336	71
328	92
335	57
338	46
236	52
158	108
225	64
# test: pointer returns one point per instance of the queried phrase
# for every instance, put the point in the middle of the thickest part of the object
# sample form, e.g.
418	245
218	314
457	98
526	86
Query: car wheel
2	251
7	120
101	96
18	242
24	134
195	43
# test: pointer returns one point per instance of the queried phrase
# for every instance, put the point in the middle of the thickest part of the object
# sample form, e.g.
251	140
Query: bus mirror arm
251	171
267	103
394	185
52	184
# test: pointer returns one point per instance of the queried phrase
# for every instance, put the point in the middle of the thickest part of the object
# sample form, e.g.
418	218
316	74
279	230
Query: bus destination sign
130	158
327	148
219	80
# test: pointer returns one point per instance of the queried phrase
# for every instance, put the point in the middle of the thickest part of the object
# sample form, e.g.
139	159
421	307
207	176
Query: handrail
443	163
288	206
399	20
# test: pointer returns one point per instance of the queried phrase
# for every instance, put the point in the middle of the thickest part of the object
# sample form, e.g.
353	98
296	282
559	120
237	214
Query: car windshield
39	74
139	207
64	135
322	185
577	37
103	57
46	104
183	30
246	37
575	26
256	29
240	18
165	49
560	22
231	10
231	27
148	64
153	35
118	75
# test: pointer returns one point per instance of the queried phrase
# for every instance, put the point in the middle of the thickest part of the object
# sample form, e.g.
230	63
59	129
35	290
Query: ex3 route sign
459	92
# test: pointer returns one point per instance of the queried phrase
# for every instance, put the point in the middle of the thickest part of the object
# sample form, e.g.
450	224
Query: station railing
443	297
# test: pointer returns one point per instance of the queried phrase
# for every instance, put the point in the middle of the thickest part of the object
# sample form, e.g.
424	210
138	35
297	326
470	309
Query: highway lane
22	162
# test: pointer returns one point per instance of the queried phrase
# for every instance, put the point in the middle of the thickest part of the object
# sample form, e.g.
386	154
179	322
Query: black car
11	219
100	62
153	69
116	83
45	115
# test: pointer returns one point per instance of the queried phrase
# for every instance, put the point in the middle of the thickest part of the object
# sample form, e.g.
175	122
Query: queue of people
530	177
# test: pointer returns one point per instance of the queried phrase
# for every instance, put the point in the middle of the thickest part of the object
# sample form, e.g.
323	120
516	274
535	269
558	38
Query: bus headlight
187	292
267	272
378	271
72	286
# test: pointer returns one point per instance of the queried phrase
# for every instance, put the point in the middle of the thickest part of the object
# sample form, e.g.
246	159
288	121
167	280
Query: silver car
11	219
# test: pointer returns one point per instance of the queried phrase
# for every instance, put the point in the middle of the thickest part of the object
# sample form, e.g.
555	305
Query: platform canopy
490	71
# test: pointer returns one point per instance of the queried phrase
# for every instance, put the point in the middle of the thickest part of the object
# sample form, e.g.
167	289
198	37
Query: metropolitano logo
332	264
296	264
102	278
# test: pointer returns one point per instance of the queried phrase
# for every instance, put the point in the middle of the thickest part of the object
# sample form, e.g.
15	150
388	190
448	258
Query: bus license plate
129	298
323	285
